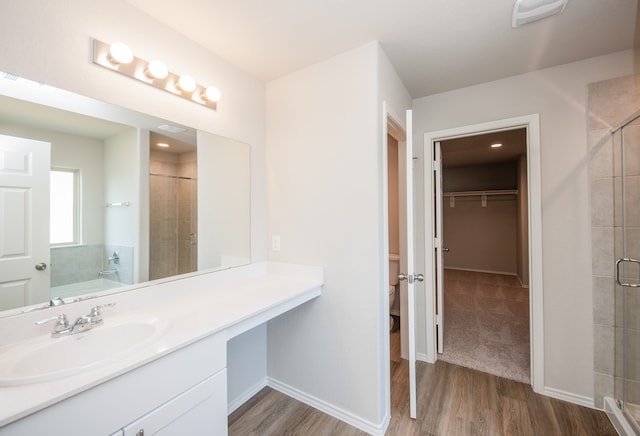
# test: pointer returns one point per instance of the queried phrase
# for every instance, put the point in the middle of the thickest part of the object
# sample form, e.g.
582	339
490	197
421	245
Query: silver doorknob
419	277
445	250
41	266
402	277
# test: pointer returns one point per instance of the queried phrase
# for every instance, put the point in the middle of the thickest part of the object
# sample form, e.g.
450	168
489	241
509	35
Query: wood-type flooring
452	400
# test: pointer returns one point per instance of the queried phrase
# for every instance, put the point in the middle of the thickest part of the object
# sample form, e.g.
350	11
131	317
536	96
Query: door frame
536	318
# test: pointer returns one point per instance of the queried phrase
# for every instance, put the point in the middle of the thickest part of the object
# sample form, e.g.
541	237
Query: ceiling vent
528	11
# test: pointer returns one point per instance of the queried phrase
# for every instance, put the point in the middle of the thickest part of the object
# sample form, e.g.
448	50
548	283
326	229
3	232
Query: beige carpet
486	323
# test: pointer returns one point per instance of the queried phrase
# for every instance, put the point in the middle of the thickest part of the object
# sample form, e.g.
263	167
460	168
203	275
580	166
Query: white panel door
410	275
24	221
434	287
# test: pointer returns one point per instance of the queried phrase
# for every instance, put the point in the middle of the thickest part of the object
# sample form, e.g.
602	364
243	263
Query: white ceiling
435	45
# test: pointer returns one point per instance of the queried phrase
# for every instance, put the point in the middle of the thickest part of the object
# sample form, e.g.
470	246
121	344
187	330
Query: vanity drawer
200	410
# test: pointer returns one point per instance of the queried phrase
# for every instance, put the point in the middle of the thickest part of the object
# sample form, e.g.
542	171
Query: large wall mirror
97	199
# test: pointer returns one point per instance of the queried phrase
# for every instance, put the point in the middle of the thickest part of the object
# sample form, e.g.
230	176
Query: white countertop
232	301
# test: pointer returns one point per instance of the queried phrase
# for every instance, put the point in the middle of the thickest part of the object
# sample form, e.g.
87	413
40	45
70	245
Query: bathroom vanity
163	367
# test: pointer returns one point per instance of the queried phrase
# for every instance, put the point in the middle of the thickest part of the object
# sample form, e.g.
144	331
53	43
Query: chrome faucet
107	272
56	301
83	323
114	258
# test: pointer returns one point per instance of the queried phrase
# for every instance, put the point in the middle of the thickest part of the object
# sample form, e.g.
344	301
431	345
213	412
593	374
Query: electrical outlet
275	243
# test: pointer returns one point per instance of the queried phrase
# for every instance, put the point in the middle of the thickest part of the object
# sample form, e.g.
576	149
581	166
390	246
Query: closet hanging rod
480	193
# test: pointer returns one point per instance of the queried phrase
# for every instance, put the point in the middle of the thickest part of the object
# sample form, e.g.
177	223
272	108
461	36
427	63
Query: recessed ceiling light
528	11
497	145
162	144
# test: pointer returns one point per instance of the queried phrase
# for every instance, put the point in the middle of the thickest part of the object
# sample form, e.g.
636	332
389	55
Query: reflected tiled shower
173	214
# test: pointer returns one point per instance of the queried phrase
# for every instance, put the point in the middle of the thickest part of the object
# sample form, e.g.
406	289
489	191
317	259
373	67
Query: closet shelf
481	193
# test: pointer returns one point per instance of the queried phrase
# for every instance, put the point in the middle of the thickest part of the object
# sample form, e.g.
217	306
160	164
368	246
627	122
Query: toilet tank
394	268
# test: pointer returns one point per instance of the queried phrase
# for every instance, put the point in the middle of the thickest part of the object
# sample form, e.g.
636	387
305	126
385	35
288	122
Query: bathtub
82	288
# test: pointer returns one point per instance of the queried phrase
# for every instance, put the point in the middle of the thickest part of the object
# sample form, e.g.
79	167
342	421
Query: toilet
394	270
392	299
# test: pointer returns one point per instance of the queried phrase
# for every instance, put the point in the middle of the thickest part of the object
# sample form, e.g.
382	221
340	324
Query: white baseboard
330	409
422	357
504	273
246	396
570	397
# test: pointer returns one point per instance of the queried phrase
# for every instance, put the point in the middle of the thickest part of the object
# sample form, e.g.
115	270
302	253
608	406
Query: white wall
121	165
559	96
50	42
325	171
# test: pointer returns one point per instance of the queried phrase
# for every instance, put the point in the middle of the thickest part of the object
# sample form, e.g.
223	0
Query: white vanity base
176	386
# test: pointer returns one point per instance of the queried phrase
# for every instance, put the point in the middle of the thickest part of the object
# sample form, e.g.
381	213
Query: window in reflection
64	207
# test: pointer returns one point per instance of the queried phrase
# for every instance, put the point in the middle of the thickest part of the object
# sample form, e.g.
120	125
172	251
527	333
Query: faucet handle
96	309
95	315
62	322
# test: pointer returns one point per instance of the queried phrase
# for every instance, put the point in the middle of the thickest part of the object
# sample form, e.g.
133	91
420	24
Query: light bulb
212	94
119	53
187	83
156	70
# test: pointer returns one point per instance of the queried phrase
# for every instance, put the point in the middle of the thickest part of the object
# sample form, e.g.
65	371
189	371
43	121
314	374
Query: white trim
246	396
383	333
503	273
421	357
330	409
532	123
580	400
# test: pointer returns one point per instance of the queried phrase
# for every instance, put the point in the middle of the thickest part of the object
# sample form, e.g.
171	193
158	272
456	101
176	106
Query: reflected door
24	221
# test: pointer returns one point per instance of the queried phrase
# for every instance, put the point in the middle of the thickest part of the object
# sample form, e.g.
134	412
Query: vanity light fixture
187	83
212	94
120	53
162	145
497	145
156	70
118	57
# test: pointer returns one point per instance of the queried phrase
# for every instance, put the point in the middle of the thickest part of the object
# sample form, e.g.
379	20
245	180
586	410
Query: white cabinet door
200	410
24	221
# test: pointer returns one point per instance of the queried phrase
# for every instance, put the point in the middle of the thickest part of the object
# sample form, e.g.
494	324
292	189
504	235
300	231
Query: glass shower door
626	144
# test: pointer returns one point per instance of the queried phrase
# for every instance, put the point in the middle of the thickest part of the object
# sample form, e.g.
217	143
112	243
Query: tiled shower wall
609	103
82	263
173	210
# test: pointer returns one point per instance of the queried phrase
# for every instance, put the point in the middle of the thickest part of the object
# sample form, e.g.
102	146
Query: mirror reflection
110	201
173	199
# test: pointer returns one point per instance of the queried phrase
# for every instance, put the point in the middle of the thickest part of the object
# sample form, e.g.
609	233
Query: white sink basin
45	358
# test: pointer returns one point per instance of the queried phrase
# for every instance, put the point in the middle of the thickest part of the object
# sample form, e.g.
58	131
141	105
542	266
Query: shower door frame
626	269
